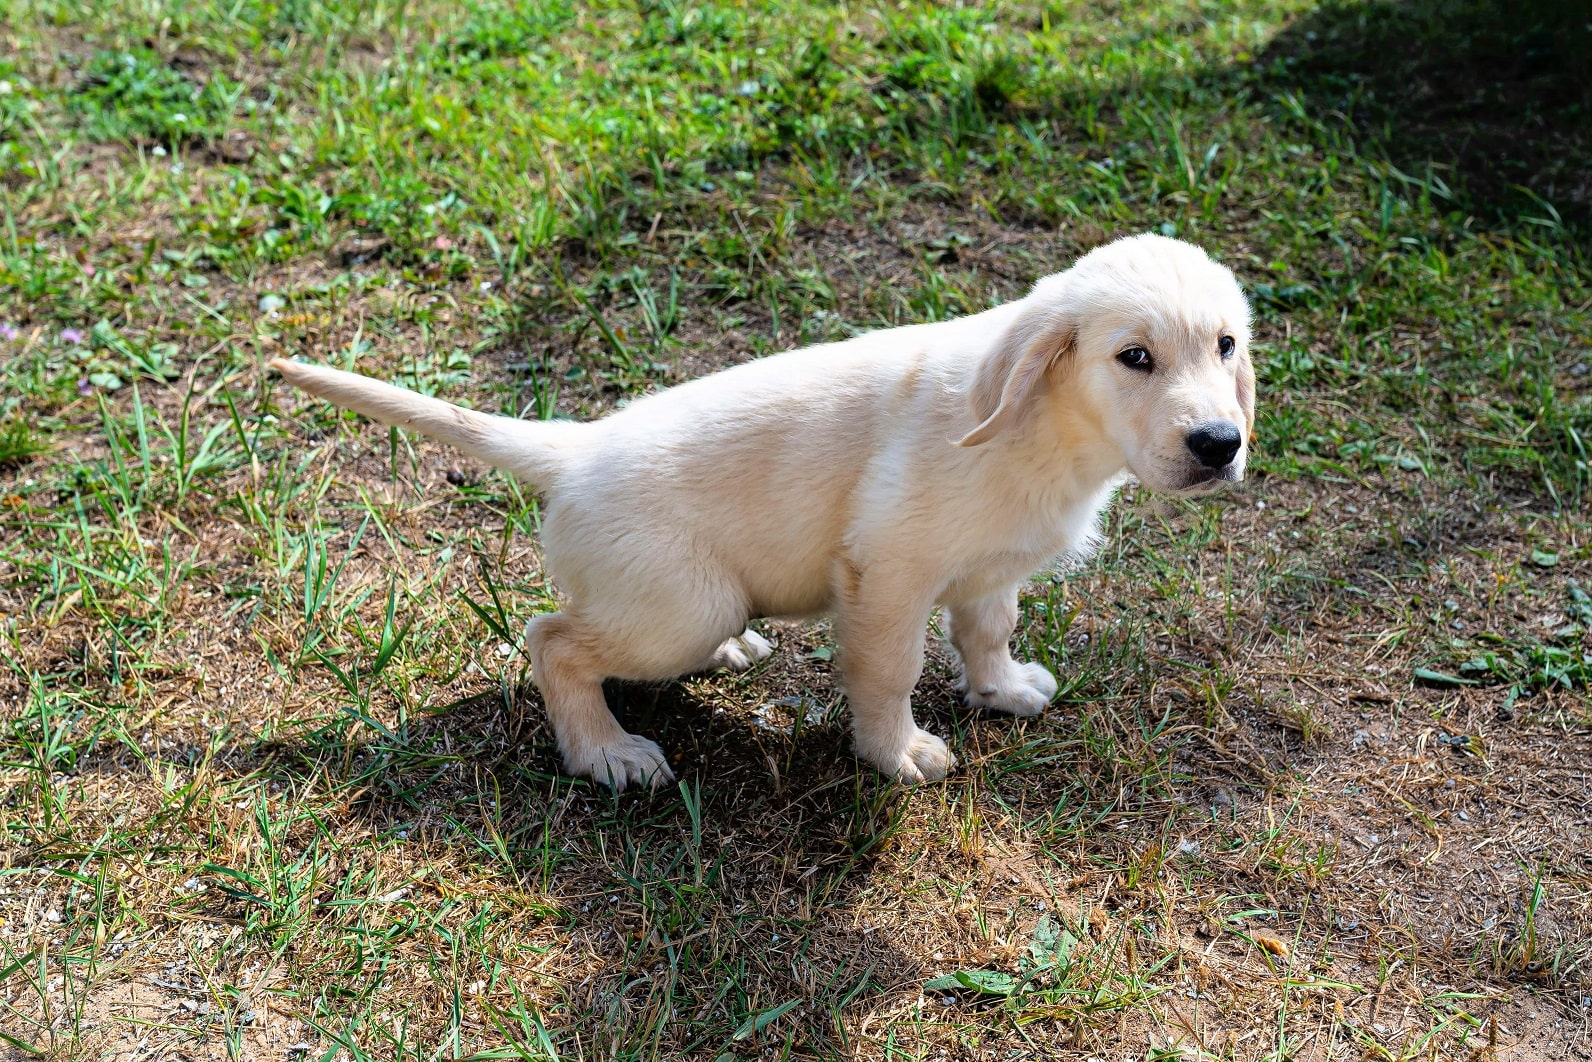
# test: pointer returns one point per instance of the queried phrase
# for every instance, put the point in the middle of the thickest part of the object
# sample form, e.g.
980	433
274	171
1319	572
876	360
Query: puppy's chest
1061	528
1062	538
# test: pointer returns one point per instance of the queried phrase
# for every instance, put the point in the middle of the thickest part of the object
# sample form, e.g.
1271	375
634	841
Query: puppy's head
1144	343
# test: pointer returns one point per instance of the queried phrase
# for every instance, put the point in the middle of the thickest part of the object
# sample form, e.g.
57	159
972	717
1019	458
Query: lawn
275	782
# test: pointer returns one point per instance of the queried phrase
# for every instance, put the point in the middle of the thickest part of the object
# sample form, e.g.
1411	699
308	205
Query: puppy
874	479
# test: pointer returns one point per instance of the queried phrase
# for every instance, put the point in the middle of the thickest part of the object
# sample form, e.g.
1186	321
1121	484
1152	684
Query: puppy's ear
1246	393
1012	373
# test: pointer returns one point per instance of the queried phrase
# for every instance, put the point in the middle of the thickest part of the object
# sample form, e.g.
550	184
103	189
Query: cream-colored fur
874	479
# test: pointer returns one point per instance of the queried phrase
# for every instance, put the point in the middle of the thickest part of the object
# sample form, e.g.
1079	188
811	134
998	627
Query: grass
275	780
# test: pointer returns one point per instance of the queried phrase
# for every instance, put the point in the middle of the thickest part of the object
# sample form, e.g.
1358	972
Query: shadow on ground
689	911
1494	96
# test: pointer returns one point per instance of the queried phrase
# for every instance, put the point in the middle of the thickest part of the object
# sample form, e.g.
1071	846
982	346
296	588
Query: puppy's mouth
1210	480
1186	478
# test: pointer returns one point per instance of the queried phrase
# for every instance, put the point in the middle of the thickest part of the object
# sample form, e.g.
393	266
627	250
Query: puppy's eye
1136	358
1225	346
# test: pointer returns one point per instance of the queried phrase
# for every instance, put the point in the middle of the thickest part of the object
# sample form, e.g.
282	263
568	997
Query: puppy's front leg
981	631
880	624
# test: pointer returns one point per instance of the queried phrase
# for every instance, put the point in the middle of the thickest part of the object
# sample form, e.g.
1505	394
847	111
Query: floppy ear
1013	372
1246	393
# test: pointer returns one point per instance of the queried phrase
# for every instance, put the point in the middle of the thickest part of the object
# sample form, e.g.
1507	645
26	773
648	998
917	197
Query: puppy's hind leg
739	653
568	667
981	631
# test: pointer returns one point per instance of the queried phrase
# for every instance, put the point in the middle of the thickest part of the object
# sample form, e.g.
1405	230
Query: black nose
1215	443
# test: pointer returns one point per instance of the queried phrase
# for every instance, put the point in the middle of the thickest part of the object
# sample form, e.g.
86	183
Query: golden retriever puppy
874	479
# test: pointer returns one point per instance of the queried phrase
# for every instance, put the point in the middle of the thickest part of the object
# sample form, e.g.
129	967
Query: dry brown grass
1257	828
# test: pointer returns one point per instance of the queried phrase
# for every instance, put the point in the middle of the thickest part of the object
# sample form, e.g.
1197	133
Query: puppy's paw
631	760
1024	690
741	652
924	758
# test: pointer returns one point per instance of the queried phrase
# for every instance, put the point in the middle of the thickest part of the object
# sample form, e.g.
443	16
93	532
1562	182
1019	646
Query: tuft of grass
21	441
137	95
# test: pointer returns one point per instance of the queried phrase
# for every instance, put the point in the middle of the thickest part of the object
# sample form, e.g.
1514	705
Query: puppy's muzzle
1215	444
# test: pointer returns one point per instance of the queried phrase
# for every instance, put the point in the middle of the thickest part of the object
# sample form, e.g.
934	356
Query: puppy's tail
534	451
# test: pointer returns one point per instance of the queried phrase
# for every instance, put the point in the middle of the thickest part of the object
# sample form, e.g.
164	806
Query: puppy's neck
1061	444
